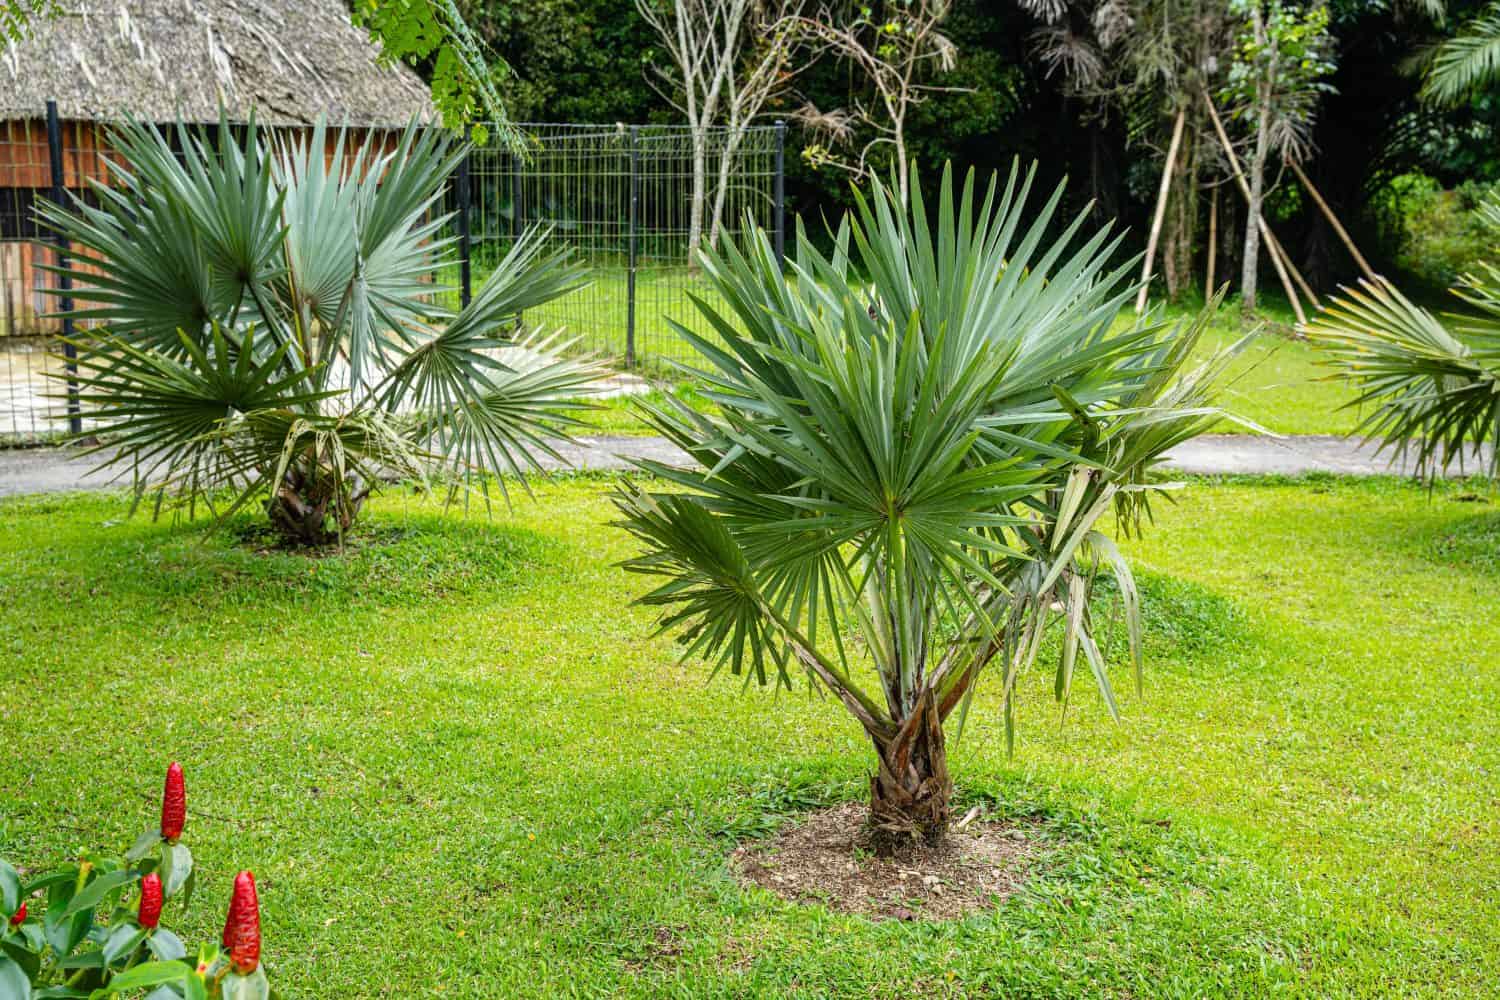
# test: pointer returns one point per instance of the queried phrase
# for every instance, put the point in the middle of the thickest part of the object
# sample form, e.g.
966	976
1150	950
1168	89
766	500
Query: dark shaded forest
1006	96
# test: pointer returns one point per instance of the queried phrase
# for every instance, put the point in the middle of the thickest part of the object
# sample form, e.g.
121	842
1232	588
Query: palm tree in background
264	324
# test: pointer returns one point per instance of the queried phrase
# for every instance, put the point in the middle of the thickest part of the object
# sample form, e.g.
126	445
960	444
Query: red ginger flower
20	916
173	804
242	926
149	915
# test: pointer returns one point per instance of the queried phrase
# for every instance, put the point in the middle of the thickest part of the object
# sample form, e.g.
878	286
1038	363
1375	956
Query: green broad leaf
252	987
59	993
144	845
10	890
29	961
64	932
93	959
93	893
194	989
176	868
166	946
165	992
150	974
14	983
31	934
123	940
48	881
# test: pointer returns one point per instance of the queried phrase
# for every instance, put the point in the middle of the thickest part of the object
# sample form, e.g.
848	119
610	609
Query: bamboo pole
1213	244
1286	258
1161	209
1260	220
1333	221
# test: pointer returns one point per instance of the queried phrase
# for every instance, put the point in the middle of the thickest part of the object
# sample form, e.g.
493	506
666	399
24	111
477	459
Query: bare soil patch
821	860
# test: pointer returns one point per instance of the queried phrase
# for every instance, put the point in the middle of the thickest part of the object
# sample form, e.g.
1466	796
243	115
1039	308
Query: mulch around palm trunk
820	860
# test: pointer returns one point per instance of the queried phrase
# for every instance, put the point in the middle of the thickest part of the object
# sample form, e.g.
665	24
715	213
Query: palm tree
264	322
1469	60
1431	385
905	478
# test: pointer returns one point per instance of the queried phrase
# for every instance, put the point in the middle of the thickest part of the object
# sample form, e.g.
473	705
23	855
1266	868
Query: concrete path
51	470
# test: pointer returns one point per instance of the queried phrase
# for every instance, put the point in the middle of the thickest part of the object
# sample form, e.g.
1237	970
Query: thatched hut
290	61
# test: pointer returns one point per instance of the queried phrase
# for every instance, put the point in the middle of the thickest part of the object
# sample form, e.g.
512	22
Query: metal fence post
65	264
461	185
635	201
779	194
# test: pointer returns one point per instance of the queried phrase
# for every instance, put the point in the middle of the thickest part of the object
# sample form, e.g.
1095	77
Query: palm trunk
313	510
910	792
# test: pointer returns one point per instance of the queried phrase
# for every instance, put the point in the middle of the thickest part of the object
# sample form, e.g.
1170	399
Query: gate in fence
621	198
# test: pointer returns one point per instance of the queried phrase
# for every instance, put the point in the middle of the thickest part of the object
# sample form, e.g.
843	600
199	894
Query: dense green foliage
582	60
461	764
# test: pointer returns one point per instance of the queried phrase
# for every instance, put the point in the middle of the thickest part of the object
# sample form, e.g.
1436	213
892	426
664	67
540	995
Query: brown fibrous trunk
910	791
313	511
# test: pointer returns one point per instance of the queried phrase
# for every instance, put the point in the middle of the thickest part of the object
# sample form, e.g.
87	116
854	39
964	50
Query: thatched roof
160	59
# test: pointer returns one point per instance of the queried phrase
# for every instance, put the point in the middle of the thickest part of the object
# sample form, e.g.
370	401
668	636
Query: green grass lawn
460	766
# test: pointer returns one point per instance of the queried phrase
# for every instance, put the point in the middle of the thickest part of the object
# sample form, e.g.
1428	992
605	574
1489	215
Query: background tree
16	17
726	59
1273	85
464	77
1145	63
1466	62
918	434
267	324
895	48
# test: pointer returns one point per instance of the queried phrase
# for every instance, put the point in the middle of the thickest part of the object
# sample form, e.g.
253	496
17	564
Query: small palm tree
264	320
1431	385
905	478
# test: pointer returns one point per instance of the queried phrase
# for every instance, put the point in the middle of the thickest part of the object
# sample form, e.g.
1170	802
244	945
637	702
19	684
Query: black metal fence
622	198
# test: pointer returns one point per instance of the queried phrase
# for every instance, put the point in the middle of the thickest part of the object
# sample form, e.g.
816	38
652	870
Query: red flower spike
173	804
20	916
242	926
149	915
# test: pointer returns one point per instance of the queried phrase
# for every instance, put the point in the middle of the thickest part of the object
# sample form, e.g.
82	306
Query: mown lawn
460	766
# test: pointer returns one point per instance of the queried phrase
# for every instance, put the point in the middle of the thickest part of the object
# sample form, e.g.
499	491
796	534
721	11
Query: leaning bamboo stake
1333	221
1213	244
1161	209
1286	259
1260	220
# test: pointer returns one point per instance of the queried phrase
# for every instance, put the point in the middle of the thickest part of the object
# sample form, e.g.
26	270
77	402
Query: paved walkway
51	470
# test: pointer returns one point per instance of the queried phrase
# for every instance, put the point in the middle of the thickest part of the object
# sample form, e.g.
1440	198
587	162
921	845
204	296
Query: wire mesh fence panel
631	202
628	202
34	168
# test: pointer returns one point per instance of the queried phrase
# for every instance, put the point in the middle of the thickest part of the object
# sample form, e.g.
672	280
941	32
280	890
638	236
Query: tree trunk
732	138
313	511
700	184
910	792
1250	262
